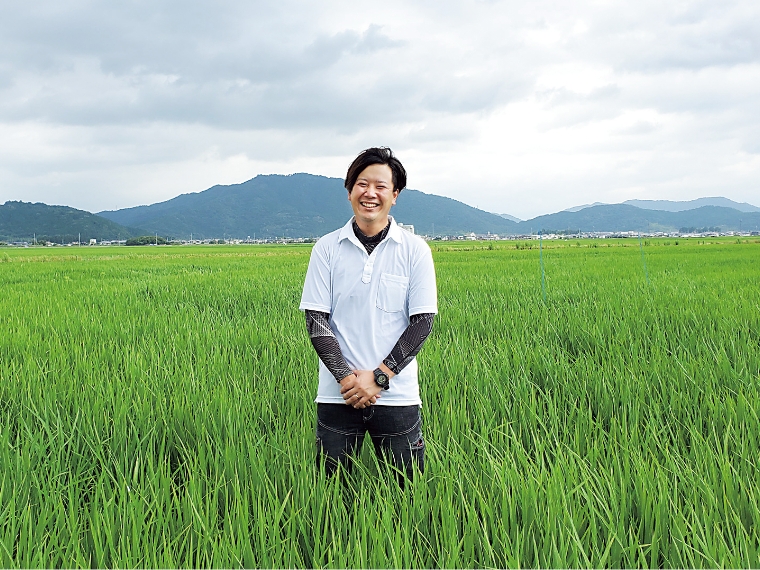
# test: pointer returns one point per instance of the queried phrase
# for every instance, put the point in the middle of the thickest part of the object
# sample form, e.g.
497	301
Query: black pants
396	433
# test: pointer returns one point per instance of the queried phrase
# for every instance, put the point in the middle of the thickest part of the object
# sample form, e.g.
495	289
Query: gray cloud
90	88
99	64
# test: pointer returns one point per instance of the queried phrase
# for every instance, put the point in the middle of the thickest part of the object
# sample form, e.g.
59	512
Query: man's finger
349	392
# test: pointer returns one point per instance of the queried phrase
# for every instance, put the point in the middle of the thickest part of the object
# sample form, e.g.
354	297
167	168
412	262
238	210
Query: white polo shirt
370	299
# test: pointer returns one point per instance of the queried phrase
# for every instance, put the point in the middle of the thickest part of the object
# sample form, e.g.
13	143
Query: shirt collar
395	232
347	232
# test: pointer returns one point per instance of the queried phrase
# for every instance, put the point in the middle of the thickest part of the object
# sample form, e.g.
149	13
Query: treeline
153	240
576	231
693	230
147	240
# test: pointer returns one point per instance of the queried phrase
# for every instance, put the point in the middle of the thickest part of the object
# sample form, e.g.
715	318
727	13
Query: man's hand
360	390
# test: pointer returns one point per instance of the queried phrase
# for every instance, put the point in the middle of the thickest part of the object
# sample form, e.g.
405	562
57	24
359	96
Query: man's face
373	195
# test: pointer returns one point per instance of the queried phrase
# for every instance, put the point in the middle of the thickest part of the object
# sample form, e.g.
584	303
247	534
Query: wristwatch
381	379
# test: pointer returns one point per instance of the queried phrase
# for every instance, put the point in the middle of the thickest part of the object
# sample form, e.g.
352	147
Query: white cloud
517	107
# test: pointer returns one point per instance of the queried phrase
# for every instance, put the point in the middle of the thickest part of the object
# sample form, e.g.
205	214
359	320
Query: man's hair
376	155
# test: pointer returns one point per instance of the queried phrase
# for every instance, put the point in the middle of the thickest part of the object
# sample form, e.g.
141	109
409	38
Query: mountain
304	205
511	218
671	206
676	206
583	207
297	205
22	220
431	214
623	217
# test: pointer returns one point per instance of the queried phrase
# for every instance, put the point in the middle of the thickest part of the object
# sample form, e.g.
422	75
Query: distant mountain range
304	205
671	206
297	205
623	217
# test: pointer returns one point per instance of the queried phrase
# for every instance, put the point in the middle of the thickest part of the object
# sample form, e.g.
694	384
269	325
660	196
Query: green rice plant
156	410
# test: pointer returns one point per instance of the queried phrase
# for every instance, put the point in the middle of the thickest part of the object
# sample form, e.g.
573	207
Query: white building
407	227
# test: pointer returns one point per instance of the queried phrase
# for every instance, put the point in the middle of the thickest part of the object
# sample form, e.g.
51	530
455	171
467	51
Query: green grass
156	410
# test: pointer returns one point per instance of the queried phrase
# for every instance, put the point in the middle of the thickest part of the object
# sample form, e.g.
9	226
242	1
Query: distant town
471	236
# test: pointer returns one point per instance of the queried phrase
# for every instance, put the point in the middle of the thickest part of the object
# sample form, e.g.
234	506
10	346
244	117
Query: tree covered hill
296	205
24	220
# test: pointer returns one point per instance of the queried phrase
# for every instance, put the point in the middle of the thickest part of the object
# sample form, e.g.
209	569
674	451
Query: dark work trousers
396	433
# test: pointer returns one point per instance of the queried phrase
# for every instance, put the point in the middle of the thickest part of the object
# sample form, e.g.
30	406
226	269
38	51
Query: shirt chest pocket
391	293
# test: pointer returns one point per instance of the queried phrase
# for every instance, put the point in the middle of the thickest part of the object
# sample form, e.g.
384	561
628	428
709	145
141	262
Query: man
370	298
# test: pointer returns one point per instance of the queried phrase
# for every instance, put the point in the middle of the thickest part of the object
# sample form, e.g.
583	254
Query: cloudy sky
519	107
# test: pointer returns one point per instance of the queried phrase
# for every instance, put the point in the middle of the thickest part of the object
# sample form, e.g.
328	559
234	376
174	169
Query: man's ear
395	195
349	195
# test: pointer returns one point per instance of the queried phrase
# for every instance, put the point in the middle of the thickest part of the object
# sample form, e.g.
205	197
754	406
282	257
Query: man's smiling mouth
369	204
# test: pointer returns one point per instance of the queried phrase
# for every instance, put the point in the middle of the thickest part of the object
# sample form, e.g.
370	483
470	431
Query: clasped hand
360	389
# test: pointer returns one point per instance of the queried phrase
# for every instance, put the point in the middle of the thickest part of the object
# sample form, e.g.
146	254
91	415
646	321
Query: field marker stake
541	258
644	261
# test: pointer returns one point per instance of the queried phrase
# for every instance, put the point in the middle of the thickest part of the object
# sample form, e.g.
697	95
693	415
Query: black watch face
381	379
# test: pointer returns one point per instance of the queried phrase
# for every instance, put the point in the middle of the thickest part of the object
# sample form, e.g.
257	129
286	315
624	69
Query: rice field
156	410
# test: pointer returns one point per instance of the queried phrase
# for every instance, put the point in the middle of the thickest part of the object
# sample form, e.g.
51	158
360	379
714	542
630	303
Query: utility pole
79	240
156	238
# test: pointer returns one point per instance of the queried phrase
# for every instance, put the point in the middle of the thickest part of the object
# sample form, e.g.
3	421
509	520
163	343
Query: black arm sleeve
410	342
324	342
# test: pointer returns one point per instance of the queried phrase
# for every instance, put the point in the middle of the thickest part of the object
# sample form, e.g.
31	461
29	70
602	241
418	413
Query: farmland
156	409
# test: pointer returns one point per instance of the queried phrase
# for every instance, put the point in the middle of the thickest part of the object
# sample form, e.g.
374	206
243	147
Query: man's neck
374	228
370	242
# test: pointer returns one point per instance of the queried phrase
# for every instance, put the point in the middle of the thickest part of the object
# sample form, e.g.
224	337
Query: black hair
376	155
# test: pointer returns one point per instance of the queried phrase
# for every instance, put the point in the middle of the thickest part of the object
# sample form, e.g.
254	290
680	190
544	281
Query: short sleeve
423	296
317	294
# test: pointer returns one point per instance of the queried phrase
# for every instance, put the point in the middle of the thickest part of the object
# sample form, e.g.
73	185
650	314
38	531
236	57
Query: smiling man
370	298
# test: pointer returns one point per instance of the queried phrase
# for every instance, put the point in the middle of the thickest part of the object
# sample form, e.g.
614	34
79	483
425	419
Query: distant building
407	227
93	241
